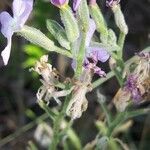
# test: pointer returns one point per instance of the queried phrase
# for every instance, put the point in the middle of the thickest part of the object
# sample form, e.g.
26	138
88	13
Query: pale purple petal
92	66
28	4
6	52
22	10
103	55
132	86
18	7
99	71
6	20
98	53
92	28
76	4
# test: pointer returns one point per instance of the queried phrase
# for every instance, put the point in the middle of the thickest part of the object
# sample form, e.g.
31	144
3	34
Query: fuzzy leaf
62	39
53	27
70	23
83	13
58	32
100	22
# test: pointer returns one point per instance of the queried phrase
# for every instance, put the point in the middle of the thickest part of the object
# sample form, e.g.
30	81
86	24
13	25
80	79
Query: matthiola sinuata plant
77	40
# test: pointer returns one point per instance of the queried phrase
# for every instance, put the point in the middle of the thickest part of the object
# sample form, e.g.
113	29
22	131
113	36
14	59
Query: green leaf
83	13
100	22
35	36
70	23
138	112
30	114
53	27
29	62
102	127
31	146
33	50
62	39
119	19
112	39
58	32
109	48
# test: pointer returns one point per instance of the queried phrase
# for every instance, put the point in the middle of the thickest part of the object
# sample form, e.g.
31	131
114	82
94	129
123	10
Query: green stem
118	76
81	55
102	80
120	117
72	136
121	41
120	62
104	108
50	113
123	116
57	123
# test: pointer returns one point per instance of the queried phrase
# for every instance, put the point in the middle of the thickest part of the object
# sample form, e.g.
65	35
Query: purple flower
97	54
94	53
132	87
111	3
59	3
9	25
76	4
92	66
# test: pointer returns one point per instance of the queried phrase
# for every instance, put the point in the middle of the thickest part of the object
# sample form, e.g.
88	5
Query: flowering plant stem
50	113
104	108
81	55
121	41
120	62
57	123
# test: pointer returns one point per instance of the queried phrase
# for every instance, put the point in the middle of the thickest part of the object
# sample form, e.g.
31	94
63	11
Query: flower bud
119	19
59	3
83	13
99	20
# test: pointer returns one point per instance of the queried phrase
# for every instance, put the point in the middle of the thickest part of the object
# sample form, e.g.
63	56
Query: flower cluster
94	53
79	29
137	85
141	74
131	86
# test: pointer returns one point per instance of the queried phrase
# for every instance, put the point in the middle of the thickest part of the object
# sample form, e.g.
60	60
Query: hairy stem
57	123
